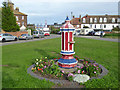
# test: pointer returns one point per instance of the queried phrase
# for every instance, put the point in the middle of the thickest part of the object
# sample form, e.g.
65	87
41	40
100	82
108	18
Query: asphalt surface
57	36
35	39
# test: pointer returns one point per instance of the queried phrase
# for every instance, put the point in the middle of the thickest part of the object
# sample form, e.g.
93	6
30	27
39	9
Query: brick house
76	22
21	18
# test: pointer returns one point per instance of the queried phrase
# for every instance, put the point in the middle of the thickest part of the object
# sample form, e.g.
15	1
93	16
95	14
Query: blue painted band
67	61
67	52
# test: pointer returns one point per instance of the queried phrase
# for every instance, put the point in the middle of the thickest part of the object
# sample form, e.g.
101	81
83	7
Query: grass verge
19	57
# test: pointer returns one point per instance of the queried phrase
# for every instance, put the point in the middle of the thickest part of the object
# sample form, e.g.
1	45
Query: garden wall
18	33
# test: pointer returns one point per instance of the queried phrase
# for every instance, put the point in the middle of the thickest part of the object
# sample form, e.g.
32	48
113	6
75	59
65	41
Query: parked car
25	36
59	32
76	32
85	31
98	33
38	34
92	33
7	37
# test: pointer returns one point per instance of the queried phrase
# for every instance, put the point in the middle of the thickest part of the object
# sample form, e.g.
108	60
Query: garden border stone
29	71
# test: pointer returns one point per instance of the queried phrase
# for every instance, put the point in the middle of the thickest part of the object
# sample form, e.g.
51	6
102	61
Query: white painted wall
100	26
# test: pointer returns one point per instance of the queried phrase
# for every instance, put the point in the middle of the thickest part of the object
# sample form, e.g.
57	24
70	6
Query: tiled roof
75	21
100	16
18	13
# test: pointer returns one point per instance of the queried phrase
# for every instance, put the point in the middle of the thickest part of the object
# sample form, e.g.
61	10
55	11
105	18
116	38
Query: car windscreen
23	35
46	31
35	32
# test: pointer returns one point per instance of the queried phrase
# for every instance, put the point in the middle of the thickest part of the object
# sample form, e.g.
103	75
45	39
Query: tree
8	19
0	19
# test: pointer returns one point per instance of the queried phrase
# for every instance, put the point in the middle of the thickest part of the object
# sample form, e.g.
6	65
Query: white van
38	34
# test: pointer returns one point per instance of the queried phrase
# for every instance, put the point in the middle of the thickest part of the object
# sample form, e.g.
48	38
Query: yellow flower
32	68
36	59
45	57
40	60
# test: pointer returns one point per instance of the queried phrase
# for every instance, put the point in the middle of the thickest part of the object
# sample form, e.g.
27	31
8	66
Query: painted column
67	49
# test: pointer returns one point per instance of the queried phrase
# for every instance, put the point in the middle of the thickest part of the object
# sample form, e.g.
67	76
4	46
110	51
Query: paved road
35	39
98	38
56	36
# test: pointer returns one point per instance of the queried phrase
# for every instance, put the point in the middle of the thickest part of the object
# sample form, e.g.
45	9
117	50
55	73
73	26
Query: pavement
57	36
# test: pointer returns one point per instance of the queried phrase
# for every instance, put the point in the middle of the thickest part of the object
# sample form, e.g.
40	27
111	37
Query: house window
22	17
113	26
113	20
100	26
16	18
91	26
77	26
18	23
22	23
104	26
95	26
84	20
95	20
105	19
91	20
118	20
100	20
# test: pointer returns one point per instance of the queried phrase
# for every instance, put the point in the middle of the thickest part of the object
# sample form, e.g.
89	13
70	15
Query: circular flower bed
50	69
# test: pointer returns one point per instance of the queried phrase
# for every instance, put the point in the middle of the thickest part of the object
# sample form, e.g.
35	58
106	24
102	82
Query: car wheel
3	40
39	36
15	39
26	38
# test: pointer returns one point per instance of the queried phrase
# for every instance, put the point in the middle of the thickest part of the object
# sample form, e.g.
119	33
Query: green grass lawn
112	35
19	57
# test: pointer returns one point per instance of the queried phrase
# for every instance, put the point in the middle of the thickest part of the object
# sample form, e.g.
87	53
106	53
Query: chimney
86	15
17	9
80	16
73	16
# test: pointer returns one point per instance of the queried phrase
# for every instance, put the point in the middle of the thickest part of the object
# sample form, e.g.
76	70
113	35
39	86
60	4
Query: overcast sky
56	10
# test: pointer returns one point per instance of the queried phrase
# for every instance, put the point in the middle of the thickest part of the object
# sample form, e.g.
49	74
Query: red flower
58	58
76	58
82	72
86	61
39	69
54	58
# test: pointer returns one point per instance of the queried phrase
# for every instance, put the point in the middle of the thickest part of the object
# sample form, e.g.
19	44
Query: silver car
25	36
7	37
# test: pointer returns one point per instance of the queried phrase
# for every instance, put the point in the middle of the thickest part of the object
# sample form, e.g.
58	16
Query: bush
116	29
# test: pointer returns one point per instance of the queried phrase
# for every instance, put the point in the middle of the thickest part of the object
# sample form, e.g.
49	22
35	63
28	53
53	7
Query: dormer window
95	20
105	19
118	20
100	20
91	20
84	20
113	20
